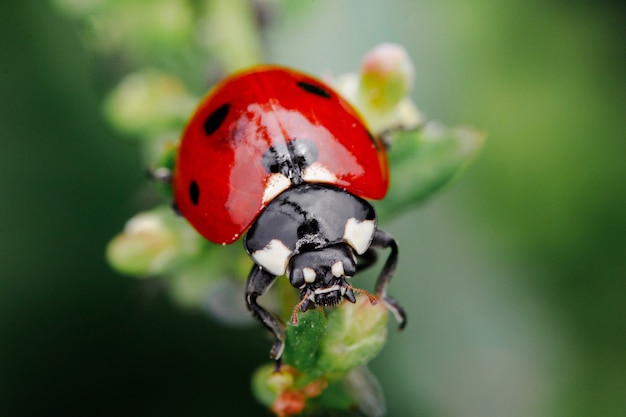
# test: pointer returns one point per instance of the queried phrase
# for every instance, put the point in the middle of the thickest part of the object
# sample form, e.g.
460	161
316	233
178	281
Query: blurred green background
513	277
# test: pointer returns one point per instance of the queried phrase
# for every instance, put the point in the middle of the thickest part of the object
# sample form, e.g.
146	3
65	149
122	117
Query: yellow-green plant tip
386	77
282	380
142	28
404	115
149	102
267	384
355	334
145	247
235	49
151	243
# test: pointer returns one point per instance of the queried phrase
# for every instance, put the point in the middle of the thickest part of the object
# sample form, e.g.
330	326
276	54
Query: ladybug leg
163	176
259	281
385	240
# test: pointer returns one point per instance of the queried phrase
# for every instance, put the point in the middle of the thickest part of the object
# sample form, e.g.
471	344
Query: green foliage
303	352
325	361
424	160
355	334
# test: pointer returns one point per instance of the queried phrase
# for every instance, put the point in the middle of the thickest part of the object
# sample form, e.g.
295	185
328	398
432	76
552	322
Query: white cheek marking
359	234
273	257
327	290
317	172
276	184
309	275
337	269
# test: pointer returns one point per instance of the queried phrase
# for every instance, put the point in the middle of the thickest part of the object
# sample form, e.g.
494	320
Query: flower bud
289	403
268	384
381	90
151	243
387	76
148	102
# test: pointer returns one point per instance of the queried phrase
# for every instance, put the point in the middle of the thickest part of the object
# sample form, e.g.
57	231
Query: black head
321	274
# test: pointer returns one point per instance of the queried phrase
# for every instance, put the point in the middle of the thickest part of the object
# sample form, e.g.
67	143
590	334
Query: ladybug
278	155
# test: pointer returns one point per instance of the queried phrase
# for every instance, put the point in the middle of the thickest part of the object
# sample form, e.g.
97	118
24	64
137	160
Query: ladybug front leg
385	240
259	281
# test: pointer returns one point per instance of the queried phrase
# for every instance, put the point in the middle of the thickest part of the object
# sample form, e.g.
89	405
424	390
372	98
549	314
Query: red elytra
220	180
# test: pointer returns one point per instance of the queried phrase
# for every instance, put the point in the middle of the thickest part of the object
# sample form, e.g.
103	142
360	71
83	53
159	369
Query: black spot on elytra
194	193
313	89
215	119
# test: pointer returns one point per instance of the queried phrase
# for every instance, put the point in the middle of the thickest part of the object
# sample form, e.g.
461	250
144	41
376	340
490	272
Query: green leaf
303	342
356	333
425	160
334	397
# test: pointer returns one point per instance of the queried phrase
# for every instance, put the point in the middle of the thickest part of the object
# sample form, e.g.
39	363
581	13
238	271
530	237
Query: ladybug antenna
294	314
370	296
305	300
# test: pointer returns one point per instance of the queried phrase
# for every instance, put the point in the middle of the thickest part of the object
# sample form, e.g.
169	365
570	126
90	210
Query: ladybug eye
313	89
215	119
194	192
